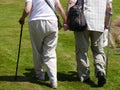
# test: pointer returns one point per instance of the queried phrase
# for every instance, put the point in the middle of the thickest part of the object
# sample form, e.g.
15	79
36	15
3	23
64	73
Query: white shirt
95	14
41	10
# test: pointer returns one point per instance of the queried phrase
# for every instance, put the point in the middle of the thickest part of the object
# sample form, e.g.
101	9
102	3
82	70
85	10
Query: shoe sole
101	81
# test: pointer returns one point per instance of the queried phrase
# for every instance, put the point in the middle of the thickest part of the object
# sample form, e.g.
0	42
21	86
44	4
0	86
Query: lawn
10	11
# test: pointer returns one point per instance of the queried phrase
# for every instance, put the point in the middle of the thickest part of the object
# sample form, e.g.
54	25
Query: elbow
27	11
28	7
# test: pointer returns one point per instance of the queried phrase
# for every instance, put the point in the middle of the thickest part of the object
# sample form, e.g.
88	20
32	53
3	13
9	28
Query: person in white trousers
43	28
94	11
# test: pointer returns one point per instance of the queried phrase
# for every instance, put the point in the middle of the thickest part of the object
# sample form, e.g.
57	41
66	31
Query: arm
108	14
27	9
60	10
69	5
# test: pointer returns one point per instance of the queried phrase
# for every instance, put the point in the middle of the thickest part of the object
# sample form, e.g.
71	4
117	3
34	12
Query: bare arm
108	14
60	10
69	5
27	10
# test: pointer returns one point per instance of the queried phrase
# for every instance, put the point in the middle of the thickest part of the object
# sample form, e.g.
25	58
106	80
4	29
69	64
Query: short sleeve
109	1
27	0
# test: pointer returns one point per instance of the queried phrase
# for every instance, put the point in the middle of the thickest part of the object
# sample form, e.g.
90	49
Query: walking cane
108	46
18	52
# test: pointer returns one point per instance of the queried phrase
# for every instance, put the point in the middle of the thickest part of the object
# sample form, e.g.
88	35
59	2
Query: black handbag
76	19
59	23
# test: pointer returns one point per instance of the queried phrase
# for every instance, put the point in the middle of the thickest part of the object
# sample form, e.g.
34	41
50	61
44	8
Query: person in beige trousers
94	11
43	27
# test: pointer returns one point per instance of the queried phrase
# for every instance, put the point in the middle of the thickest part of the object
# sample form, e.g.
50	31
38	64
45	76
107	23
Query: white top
41	10
95	14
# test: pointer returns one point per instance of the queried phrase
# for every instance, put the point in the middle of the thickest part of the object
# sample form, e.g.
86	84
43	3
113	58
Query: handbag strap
80	3
49	4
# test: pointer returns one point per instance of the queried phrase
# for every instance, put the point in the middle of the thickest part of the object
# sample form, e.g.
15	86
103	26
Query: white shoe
53	85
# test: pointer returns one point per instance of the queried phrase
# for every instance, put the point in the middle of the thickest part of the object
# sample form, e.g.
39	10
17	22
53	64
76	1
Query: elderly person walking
43	28
95	11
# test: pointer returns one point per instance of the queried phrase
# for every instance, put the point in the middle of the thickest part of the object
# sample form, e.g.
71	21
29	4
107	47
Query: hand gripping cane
18	52
107	55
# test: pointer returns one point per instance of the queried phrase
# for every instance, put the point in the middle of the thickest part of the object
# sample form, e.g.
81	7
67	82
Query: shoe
101	79
87	80
53	85
41	77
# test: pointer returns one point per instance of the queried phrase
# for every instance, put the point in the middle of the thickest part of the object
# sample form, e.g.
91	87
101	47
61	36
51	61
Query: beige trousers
82	45
44	36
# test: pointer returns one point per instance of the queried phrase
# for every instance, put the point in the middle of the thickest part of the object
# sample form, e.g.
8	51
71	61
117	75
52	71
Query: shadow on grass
29	76
72	76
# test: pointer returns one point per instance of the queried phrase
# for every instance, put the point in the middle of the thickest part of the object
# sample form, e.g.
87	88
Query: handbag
76	19
59	23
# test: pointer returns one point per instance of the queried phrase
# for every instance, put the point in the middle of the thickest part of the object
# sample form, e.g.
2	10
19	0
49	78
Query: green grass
10	11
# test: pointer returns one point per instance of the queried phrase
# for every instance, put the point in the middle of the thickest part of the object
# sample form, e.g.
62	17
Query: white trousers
82	46
44	36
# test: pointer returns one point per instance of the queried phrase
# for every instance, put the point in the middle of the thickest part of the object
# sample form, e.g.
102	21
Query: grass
10	11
